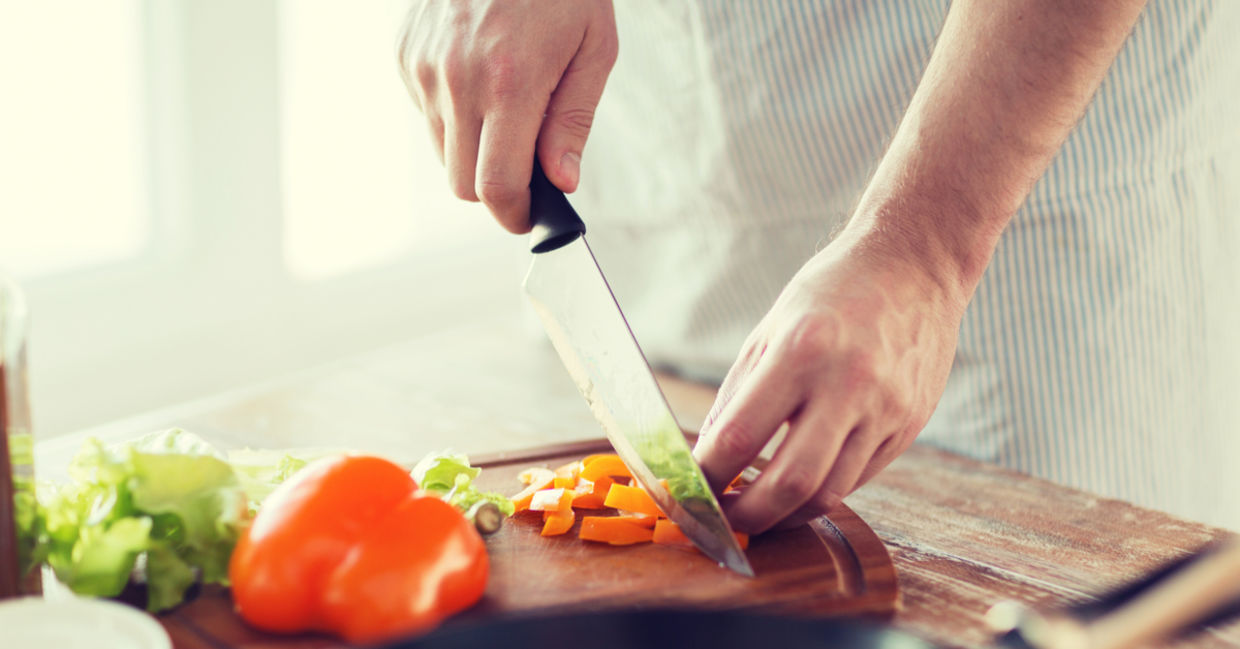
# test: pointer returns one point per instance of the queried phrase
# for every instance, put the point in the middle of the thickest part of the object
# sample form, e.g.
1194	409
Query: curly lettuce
168	500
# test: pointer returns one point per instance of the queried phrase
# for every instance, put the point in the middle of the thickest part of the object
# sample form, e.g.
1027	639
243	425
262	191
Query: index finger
505	164
766	399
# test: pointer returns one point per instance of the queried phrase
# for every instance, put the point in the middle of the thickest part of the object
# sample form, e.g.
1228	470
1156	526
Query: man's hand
853	356
500	79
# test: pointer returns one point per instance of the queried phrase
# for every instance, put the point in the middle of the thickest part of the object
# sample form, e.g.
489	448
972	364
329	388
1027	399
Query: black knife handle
553	221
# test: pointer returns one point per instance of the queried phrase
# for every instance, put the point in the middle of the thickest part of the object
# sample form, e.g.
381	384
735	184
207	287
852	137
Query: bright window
73	161
361	184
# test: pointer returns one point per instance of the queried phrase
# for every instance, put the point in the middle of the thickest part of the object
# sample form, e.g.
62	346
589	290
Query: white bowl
77	623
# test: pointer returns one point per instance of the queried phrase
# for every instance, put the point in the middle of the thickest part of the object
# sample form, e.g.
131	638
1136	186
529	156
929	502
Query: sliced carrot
595	497
556	523
539	479
616	530
552	500
590	458
566	476
631	499
668	533
645	520
609	466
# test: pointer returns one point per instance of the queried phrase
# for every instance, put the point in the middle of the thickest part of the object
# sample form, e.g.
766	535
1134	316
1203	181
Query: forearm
1004	87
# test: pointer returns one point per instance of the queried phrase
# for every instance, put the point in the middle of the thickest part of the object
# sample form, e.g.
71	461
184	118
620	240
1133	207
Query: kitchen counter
963	535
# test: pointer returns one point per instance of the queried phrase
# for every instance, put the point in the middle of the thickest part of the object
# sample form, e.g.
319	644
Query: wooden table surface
963	534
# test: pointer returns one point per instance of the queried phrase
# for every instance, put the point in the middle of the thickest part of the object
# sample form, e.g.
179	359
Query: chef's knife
589	332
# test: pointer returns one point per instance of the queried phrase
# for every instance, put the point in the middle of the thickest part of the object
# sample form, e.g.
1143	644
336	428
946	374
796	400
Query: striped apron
1102	348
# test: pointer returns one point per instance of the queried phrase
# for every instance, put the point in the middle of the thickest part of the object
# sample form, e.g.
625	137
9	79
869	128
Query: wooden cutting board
833	566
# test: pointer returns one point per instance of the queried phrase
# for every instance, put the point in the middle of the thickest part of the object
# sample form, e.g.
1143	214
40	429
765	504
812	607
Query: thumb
570	111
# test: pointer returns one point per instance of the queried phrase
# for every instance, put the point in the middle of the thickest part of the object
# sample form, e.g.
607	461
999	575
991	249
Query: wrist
947	242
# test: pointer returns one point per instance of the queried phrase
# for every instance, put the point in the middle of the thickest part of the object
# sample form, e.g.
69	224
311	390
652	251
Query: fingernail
570	168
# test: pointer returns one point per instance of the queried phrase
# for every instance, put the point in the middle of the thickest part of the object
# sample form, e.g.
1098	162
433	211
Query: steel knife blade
589	332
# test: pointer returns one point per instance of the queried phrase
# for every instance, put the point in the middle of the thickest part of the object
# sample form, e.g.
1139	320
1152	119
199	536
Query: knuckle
826	500
502	75
793	484
860	369
810	337
497	194
463	189
900	404
453	73
609	49
734	438
425	74
576	121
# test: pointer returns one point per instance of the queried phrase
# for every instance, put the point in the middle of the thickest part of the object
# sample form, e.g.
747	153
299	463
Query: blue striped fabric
1102	349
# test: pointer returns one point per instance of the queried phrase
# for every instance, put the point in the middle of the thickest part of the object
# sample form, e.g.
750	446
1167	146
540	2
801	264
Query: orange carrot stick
668	533
539	479
631	499
645	520
605	466
615	530
552	500
566	476
556	523
594	499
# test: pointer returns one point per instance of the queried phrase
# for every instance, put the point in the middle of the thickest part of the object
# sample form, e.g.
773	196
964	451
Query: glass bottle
18	517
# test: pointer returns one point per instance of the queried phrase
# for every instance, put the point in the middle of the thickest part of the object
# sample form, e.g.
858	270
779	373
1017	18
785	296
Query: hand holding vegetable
853	356
350	545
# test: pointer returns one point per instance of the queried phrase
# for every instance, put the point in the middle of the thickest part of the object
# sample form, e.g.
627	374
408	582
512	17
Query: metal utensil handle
553	220
1187	596
1190	593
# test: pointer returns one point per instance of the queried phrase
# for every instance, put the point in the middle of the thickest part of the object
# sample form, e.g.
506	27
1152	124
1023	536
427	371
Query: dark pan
664	629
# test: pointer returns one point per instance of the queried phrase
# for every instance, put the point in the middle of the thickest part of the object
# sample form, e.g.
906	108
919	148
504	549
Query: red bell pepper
350	546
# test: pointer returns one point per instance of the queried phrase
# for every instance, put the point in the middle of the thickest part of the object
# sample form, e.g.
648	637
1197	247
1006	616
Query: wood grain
965	535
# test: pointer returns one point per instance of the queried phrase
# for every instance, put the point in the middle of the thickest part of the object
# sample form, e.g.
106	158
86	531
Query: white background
200	195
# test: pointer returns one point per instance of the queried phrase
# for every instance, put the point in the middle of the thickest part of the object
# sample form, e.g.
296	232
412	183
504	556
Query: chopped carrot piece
533	474
590	458
668	533
551	500
631	499
556	523
566	476
539	480
616	530
609	466
645	520
595	497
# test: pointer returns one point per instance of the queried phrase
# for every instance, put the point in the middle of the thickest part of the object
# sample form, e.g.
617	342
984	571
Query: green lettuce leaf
438	471
261	471
447	472
169	497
